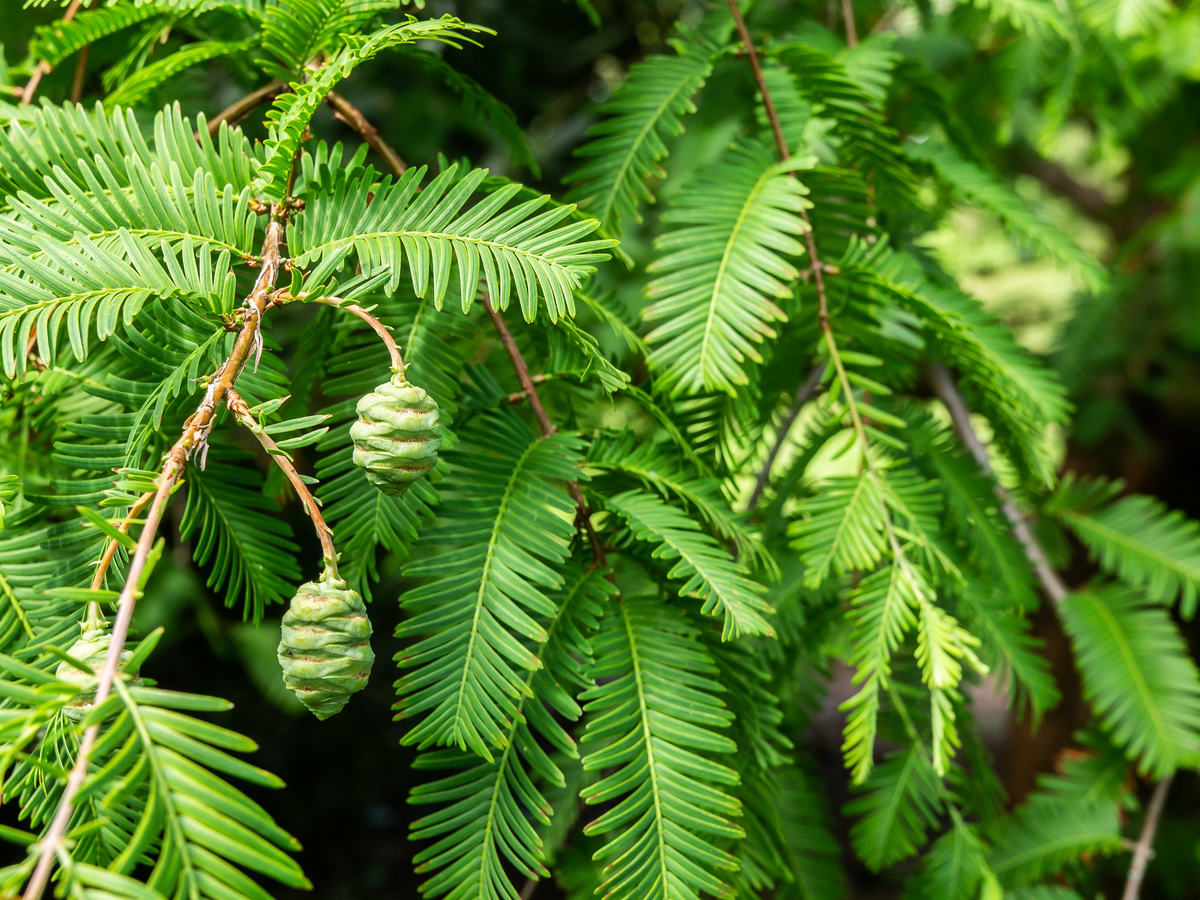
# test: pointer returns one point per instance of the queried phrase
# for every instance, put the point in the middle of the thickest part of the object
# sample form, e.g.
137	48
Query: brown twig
805	392
44	68
312	506
192	440
239	109
350	114
960	417
1143	850
519	365
378	327
851	27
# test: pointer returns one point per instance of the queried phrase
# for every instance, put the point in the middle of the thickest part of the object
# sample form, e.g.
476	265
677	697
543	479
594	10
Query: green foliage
1137	539
721	269
793	432
1138	676
626	146
656	710
506	527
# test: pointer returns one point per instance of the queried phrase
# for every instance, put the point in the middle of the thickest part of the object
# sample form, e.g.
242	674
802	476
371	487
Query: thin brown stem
378	327
519	365
350	114
960	416
44	68
192	440
312	506
239	109
805	392
851	26
1143	850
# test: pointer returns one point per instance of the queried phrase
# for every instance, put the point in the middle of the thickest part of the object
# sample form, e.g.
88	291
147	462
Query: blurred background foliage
1097	125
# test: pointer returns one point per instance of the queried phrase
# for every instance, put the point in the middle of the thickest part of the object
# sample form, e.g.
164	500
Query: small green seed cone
396	436
91	650
325	649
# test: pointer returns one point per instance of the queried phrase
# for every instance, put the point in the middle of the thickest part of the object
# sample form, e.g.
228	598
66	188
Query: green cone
91	650
397	436
325	650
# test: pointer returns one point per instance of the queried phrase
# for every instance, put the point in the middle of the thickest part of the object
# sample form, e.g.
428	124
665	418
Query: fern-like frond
54	43
294	31
487	810
722	267
507	523
654	467
655	710
291	112
709	573
977	186
625	148
900	803
134	88
954	867
1136	538
1137	675
520	250
1070	817
82	286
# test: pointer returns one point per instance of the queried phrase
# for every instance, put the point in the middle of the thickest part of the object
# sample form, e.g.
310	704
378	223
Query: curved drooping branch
312	506
378	327
193	440
960	417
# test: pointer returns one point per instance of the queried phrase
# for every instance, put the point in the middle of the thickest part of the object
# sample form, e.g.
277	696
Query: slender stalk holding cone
312	506
378	327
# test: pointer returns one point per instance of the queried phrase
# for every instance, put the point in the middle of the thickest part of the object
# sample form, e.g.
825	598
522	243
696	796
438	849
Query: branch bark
948	392
350	114
1145	845
191	441
805	392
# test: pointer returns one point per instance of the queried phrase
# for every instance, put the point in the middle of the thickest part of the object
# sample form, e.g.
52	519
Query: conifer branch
192	440
350	114
805	392
960	417
1145	845
312	506
239	109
